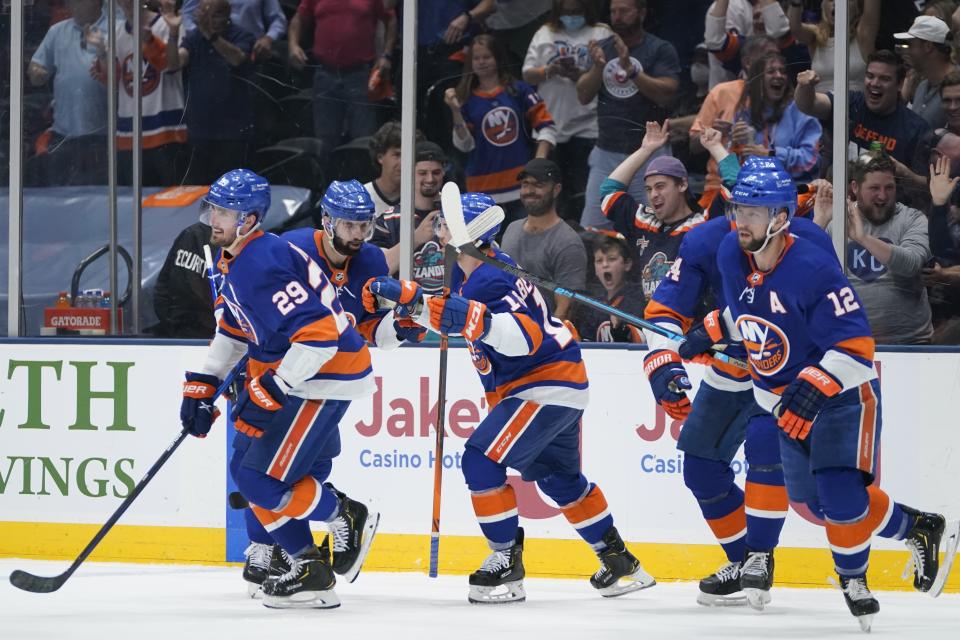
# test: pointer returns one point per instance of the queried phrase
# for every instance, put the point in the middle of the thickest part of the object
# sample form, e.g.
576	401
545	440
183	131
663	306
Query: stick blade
36	584
453	214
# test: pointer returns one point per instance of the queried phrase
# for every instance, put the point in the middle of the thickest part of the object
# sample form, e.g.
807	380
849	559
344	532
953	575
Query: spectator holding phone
558	55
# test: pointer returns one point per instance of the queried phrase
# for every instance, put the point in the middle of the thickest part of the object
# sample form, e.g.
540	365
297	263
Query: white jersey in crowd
559	93
380	204
163	96
740	18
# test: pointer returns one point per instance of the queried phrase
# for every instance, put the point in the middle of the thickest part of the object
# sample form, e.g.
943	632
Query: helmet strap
770	232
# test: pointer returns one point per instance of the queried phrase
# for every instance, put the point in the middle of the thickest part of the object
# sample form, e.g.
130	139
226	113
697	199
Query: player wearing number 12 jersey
810	351
536	388
306	363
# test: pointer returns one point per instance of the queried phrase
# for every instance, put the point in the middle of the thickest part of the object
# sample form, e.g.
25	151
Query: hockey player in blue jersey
306	363
723	416
810	351
342	252
536	387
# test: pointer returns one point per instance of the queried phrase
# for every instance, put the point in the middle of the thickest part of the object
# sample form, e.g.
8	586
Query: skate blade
948	545
636	581
370	526
303	600
507	593
866	622
712	600
757	598
254	591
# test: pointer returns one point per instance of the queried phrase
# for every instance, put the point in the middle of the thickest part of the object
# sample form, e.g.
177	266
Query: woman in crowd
496	119
768	121
864	20
557	56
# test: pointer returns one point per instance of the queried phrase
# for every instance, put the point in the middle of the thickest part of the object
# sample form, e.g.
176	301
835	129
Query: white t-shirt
560	94
740	18
822	62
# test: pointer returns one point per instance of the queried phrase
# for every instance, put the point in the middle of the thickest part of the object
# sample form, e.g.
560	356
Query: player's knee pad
842	493
259	488
815	508
563	488
480	472
707	479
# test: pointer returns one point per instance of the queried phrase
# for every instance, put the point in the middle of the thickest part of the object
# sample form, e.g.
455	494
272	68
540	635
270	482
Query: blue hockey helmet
349	201
240	190
764	182
475	203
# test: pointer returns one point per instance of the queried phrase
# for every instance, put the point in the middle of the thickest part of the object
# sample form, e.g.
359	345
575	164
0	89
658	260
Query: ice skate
722	589
307	585
859	600
353	531
256	566
756	578
500	579
278	563
925	539
616	564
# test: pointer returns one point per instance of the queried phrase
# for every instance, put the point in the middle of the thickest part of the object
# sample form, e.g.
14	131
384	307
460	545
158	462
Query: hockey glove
408	330
803	399
197	413
456	314
669	382
701	337
405	294
258	403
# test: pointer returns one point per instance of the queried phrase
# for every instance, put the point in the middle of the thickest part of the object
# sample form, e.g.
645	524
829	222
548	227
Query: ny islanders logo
766	344
480	361
242	320
616	81
501	127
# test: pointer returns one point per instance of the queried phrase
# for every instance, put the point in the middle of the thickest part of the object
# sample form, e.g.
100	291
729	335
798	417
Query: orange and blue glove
197	411
455	314
405	294
701	338
803	399
669	382
258	403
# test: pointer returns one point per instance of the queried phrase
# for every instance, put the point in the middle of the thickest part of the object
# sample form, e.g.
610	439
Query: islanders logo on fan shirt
616	81
767	345
501	126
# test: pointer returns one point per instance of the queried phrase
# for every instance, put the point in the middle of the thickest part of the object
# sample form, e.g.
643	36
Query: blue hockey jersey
552	369
349	280
694	276
802	312
272	296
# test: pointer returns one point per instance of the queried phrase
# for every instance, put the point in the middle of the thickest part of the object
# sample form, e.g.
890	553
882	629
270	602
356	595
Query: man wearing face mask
634	76
888	248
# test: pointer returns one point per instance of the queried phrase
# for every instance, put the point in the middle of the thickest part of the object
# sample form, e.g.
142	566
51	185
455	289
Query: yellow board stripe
458	554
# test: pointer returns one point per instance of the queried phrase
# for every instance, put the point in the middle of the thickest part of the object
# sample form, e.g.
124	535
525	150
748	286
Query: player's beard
752	245
346	249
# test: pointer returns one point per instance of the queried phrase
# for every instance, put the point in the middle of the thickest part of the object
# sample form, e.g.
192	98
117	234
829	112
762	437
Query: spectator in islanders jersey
428	174
164	130
495	120
557	57
634	76
654	233
612	265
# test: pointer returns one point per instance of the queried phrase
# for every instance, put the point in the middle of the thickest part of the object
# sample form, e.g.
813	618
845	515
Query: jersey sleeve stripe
609	201
531	331
656	310
225	328
862	348
368	328
319	333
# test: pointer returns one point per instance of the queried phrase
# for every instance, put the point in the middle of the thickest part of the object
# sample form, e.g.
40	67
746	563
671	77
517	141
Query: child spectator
612	265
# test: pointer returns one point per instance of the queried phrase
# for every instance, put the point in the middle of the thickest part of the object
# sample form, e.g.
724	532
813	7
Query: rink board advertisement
79	424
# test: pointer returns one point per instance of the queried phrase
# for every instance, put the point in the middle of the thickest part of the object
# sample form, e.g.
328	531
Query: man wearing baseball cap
542	243
654	233
928	52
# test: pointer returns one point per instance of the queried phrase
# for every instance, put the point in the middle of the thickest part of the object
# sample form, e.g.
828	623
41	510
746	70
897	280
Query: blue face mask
572	23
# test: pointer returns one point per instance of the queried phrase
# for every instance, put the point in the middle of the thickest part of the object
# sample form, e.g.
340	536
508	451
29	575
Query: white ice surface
105	601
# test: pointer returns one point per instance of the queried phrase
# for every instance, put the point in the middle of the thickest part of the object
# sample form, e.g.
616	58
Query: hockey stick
449	260
40	584
453	215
